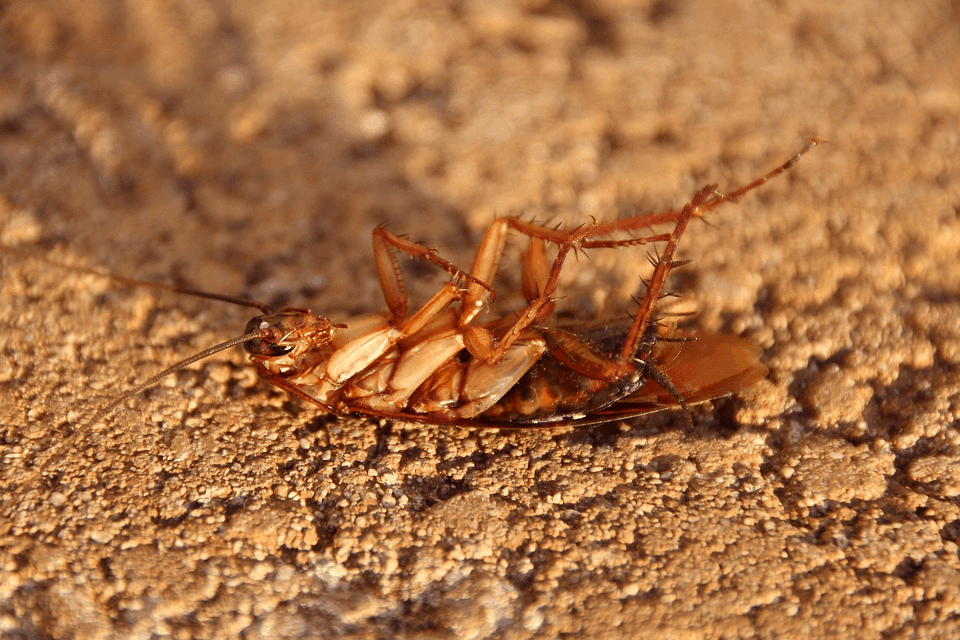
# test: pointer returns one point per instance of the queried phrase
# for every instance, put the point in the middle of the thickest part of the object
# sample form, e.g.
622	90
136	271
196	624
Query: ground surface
251	148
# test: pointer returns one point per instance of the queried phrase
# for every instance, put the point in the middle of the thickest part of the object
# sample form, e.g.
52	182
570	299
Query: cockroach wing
486	383
358	354
711	365
390	383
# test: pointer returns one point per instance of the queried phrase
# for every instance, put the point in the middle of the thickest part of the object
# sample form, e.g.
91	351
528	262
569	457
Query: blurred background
251	148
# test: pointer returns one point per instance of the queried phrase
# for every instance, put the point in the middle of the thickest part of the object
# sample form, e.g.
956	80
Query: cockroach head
287	332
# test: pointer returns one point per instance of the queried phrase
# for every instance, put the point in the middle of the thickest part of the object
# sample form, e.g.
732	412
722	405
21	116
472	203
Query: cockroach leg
385	242
661	271
536	274
735	195
653	371
540	283
540	307
534	269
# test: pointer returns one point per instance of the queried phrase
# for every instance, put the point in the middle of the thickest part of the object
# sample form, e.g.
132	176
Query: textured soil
251	148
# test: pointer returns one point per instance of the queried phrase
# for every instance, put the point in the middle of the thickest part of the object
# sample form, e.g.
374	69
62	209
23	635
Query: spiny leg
570	349
536	272
385	243
736	194
705	200
664	265
573	351
644	221
539	284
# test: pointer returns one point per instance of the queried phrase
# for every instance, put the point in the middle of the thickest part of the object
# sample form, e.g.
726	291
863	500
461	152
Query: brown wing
711	366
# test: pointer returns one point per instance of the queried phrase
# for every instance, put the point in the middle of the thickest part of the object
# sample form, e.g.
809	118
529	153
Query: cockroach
440	365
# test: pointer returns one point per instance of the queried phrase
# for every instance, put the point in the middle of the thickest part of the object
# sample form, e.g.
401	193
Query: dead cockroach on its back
440	365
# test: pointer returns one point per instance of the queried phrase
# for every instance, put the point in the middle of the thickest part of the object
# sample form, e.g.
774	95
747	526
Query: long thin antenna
243	302
146	384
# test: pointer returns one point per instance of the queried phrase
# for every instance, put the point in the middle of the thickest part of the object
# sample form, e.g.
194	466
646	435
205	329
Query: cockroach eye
261	347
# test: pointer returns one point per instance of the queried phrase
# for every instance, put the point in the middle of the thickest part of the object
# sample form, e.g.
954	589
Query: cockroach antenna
132	282
108	408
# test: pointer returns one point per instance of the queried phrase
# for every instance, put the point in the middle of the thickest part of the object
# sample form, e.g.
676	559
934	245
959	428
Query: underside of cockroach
440	366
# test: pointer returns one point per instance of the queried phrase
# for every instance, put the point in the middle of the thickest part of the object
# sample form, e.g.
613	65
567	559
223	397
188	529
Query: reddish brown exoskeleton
439	365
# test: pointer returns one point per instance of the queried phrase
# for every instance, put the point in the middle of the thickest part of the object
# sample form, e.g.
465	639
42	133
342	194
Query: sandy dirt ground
252	147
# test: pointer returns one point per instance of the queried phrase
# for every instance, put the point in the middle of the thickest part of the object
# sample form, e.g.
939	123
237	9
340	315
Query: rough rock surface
252	147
